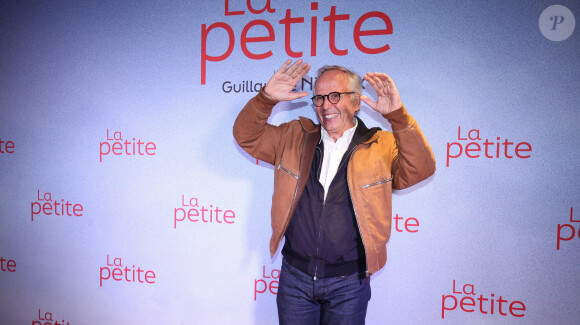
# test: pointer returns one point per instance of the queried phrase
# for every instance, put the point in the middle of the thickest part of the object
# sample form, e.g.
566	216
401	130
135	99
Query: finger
285	65
385	83
375	82
298	95
369	102
293	67
390	82
377	78
304	68
381	79
369	78
389	87
388	79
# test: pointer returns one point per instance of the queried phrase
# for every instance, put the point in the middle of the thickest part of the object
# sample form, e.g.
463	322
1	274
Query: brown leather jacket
384	162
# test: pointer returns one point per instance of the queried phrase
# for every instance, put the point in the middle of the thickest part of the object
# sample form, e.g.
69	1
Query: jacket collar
362	134
308	125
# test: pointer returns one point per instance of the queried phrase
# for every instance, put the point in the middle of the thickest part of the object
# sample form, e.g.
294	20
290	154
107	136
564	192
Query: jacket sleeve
413	159
252	131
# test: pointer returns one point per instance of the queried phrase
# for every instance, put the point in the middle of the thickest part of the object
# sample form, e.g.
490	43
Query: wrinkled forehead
329	81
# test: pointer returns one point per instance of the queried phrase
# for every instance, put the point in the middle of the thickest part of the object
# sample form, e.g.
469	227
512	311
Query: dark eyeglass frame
327	96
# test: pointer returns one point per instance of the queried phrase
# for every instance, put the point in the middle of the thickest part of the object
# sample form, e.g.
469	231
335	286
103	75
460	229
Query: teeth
330	116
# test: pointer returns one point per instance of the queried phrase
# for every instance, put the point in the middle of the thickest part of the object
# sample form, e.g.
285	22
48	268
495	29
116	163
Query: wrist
399	118
266	93
265	98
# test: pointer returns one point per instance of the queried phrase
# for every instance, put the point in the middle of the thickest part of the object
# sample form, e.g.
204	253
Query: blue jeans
338	300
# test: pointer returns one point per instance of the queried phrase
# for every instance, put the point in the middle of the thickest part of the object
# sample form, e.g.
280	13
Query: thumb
368	101
299	95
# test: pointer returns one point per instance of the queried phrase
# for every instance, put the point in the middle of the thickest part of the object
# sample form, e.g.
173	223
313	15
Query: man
332	187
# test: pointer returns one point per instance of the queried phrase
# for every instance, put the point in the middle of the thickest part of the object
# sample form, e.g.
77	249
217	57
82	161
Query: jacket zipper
296	190
378	183
367	274
318	243
289	172
323	204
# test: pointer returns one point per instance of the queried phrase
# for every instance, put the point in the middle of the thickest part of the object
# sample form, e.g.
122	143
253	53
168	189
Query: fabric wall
124	198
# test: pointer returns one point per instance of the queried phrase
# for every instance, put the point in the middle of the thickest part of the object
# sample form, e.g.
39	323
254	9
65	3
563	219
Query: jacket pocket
376	194
378	183
280	167
285	182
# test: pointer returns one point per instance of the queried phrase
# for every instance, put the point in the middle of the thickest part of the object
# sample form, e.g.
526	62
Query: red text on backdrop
487	304
477	148
47	318
573	226
409	225
191	209
7	265
268	283
115	270
289	20
47	206
6	146
118	147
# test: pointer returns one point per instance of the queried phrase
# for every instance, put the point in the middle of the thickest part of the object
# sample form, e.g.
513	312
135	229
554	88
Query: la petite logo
118	146
472	146
46	206
465	298
191	210
115	270
47	318
267	33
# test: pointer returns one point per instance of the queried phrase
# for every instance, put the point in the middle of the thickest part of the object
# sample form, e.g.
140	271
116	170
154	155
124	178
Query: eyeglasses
333	98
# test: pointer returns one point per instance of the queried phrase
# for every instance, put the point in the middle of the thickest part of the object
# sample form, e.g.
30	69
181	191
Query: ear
357	103
357	109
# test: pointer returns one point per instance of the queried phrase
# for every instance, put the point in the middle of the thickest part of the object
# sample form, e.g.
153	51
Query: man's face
339	117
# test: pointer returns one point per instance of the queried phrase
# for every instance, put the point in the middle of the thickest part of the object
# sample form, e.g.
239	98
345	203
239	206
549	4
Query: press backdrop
124	198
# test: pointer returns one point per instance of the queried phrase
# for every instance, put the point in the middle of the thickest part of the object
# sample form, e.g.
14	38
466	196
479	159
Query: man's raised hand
389	99
280	86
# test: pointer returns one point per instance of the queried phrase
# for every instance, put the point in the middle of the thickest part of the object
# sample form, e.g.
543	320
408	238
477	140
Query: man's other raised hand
280	86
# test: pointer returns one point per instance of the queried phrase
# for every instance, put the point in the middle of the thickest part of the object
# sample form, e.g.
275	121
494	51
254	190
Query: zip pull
315	277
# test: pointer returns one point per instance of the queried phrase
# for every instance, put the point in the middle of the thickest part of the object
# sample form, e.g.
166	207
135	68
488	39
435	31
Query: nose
326	105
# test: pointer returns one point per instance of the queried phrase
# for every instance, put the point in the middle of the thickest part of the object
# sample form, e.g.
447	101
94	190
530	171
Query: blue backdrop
124	198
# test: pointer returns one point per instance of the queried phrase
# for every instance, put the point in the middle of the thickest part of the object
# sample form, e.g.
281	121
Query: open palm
280	86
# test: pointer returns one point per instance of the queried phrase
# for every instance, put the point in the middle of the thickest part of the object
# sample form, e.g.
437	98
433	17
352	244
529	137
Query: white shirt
333	152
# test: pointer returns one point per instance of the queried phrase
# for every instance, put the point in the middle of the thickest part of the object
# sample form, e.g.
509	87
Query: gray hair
354	79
